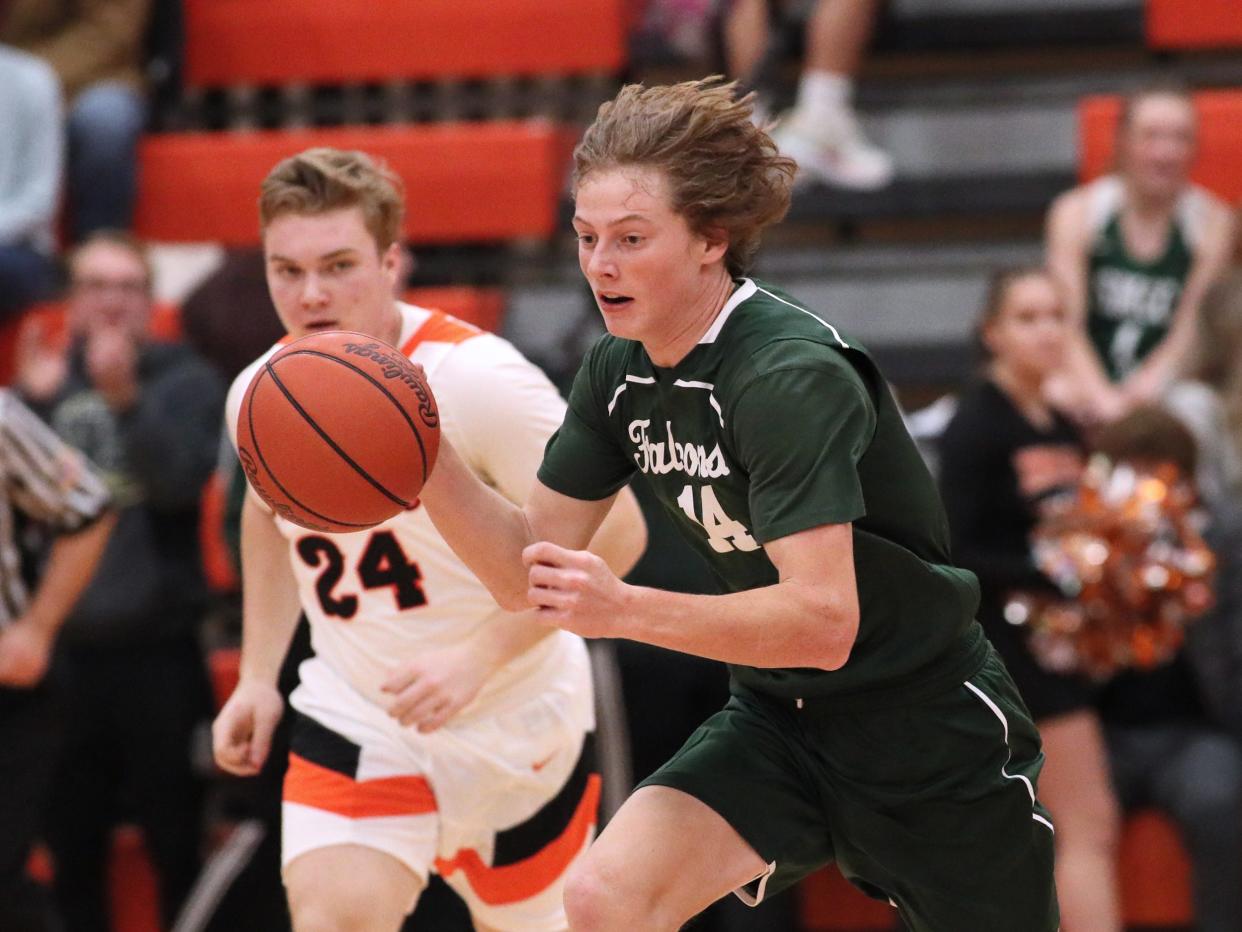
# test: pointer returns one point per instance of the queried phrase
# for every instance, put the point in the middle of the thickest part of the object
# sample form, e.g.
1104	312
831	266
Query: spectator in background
97	49
47	483
1208	401
31	153
821	132
1166	748
1004	452
149	415
1135	252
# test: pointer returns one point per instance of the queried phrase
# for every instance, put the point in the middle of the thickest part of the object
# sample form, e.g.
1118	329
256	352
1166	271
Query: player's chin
620	322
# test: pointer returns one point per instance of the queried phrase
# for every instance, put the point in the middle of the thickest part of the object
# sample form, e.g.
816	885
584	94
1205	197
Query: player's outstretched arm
489	533
431	688
807	619
242	732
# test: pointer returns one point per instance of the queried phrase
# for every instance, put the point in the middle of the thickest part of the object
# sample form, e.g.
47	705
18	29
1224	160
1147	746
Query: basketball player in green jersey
870	722
1135	252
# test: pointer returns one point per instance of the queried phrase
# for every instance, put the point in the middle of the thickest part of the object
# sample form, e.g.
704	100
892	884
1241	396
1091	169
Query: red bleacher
1220	139
230	42
465	182
1194	24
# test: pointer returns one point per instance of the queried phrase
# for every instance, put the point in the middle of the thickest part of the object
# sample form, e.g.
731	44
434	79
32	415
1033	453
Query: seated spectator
821	133
44	482
97	48
148	414
1208	400
31	153
1166	747
1006	451
1135	252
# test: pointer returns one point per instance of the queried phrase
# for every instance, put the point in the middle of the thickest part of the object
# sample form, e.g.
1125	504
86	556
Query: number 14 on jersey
723	533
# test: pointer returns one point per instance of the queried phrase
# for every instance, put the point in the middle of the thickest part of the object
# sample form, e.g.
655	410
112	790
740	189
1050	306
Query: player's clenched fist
575	590
241	735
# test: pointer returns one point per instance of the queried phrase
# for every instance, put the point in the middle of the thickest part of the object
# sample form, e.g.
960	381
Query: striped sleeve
46	478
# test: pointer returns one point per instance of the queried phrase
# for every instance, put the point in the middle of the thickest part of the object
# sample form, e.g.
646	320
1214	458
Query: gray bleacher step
1010	156
916	307
930	24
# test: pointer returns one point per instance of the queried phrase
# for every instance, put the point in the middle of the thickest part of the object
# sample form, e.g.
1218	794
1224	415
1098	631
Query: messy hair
724	173
320	180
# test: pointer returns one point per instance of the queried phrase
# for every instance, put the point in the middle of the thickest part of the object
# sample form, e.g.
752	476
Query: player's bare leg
663	858
349	888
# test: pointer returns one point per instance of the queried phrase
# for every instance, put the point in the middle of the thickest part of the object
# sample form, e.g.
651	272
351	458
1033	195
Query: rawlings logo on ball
398	367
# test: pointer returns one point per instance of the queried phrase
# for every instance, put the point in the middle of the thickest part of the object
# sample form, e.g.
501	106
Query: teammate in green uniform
870	722
1135	252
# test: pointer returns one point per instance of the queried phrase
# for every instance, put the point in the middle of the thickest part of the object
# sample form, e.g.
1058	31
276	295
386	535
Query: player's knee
590	902
597	901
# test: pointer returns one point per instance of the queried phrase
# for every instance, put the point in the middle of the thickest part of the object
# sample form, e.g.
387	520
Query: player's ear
392	261
715	245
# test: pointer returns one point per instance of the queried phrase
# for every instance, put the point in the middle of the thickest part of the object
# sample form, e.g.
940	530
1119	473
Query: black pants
133	713
31	723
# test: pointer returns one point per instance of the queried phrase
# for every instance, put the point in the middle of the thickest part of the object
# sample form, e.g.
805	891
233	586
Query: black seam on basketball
254	439
383	391
323	435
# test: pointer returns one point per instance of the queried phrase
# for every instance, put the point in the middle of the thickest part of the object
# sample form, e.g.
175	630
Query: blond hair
725	174
320	180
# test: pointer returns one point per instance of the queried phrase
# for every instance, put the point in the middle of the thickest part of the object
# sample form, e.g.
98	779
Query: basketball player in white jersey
434	732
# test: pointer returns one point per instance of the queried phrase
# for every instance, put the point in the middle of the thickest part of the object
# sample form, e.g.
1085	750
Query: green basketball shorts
926	801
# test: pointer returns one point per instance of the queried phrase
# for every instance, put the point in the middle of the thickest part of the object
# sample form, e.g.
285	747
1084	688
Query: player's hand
25	651
575	590
429	691
241	735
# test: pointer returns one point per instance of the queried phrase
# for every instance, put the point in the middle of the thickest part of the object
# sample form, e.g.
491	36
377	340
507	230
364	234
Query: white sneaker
834	150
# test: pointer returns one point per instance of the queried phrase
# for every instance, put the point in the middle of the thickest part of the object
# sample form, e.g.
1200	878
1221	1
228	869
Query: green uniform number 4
723	533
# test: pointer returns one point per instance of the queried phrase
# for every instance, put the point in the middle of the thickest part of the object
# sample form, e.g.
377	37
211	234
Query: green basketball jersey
777	423
1130	303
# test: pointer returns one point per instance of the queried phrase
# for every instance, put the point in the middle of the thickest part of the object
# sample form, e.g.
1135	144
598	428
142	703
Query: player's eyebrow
612	223
336	253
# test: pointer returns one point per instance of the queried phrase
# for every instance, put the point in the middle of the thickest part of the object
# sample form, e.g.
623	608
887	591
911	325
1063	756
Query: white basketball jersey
375	597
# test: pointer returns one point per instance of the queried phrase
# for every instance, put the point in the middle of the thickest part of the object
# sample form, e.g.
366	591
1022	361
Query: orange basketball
338	432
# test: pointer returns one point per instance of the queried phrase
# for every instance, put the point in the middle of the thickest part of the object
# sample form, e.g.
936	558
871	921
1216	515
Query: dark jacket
156	457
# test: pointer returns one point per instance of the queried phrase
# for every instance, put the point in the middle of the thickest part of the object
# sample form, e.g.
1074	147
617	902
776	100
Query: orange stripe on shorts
311	785
520	881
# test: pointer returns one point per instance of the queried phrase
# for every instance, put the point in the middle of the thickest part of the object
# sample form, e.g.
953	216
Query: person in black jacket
148	414
1006	451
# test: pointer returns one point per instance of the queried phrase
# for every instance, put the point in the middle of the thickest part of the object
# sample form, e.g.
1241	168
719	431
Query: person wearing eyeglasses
148	414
